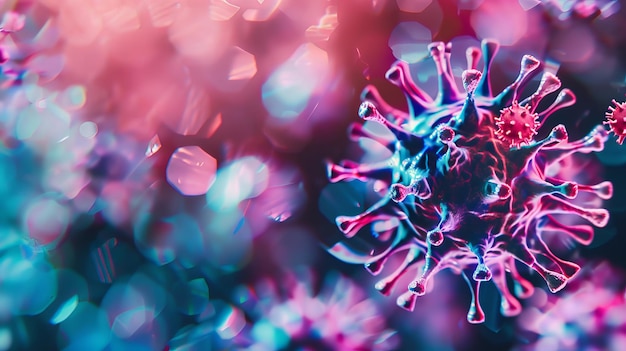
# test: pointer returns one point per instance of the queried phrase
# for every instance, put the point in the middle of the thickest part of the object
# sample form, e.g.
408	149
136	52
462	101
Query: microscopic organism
295	315
565	9
469	186
616	120
588	315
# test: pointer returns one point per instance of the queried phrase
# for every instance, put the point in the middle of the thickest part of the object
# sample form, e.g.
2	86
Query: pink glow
501	20
47	221
191	170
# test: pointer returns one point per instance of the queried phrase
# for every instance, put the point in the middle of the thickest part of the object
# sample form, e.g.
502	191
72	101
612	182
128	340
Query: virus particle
295	315
466	183
616	120
565	9
588	315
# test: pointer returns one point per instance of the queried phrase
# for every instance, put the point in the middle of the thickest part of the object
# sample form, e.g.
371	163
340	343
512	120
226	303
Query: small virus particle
616	120
467	185
589	314
294	315
566	9
517	125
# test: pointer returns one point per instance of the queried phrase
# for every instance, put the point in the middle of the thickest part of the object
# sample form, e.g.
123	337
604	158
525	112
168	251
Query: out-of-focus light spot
414	6
265	10
166	239
47	67
228	239
196	38
191	170
80	24
88	129
65	310
233	70
192	296
46	221
213	125
577	44
288	90
529	4
243	65
71	289
273	338
44	121
47	36
192	338
73	97
242	295
6	339
117	200
128	322
121	19
610	9
9	173
30	282
284	197
409	41
195	114
222	10
132	309
503	21
325	27
231	322
153	146
154	241
75	334
244	178
12	22
469	4
162	12
28	121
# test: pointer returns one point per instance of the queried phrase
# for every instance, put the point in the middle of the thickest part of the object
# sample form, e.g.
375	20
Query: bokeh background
163	178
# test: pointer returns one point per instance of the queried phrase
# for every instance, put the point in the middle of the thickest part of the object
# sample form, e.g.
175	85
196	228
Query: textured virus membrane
466	182
616	120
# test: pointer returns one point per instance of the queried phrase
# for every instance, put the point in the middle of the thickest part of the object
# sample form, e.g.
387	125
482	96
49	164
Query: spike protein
467	186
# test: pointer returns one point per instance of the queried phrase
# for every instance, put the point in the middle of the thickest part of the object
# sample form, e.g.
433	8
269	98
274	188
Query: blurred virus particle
565	9
298	314
589	314
467	183
616	120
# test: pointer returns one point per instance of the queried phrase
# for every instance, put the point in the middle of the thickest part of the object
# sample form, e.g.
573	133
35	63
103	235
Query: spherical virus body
467	186
616	120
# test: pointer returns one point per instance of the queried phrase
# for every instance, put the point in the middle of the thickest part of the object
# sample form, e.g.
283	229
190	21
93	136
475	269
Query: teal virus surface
469	186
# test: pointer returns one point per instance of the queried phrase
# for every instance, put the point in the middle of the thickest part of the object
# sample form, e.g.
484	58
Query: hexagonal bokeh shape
191	170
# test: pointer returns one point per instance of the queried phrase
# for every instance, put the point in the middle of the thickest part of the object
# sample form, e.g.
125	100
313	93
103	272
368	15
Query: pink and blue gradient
588	315
467	184
297	313
155	155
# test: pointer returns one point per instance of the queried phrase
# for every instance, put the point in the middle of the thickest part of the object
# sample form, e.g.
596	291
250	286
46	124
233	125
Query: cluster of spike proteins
468	186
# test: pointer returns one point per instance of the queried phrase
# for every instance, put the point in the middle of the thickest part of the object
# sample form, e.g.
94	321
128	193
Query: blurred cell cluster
162	171
589	315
